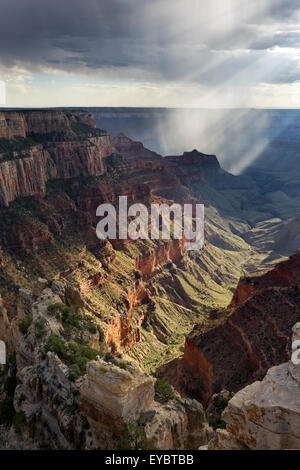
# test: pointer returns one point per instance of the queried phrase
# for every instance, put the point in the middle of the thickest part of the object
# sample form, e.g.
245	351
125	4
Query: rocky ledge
68	392
264	415
237	346
38	146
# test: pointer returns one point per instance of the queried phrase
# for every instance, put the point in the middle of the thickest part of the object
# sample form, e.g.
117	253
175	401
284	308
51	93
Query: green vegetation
74	354
114	160
82	129
56	345
163	391
92	327
19	421
199	281
137	275
14	148
101	334
24	324
219	404
69	315
49	283
108	357
134	437
40	327
74	318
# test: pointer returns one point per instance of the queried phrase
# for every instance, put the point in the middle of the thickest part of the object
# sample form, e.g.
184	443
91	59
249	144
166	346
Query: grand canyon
141	344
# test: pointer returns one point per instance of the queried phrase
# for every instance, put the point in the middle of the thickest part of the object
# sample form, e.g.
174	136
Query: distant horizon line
19	108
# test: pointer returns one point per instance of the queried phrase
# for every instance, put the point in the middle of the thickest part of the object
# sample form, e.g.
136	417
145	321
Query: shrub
74	354
137	275
57	345
55	309
49	283
215	420
91	326
19	420
80	355
163	391
134	437
122	365
70	315
40	327
220	403
25	323
108	357
74	372
101	334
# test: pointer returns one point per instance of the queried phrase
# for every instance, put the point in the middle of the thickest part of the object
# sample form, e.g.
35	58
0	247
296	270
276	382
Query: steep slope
36	147
264	415
63	390
237	345
147	294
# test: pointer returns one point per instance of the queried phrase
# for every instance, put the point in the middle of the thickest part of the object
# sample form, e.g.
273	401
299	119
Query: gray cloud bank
192	41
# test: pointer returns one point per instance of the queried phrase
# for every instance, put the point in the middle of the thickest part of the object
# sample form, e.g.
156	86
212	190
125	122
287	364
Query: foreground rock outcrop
264	415
69	392
110	397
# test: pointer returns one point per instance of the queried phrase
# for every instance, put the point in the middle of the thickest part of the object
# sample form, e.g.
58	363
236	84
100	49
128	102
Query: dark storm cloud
155	37
282	9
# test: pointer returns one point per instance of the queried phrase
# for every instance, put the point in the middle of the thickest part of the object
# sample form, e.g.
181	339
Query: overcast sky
200	53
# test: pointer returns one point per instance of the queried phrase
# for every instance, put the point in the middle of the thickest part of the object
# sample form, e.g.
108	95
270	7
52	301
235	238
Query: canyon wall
237	346
55	145
24	123
169	250
284	274
103	405
264	415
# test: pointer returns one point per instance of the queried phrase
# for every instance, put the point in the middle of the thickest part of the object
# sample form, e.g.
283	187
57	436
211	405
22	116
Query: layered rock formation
101	404
264	415
172	250
129	148
284	274
143	295
236	346
186	164
70	146
24	123
111	397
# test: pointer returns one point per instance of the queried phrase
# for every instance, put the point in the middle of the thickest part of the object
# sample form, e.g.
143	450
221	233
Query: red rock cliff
21	124
68	146
237	346
284	274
